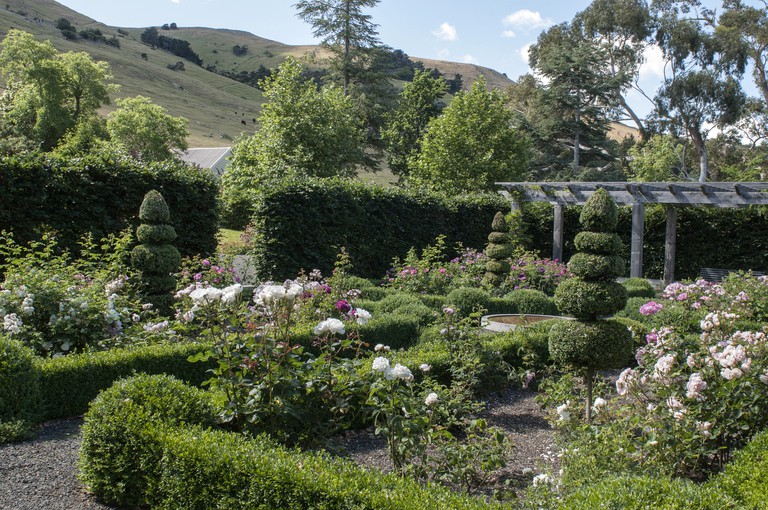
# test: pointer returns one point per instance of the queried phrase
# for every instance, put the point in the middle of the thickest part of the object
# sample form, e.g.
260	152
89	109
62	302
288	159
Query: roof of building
205	157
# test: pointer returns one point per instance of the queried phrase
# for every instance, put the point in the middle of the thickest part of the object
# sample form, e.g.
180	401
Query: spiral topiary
498	250
591	343
155	258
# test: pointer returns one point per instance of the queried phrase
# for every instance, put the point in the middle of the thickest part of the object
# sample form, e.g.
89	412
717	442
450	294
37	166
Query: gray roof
213	158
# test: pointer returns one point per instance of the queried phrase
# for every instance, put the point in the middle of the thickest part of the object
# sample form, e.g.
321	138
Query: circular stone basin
511	321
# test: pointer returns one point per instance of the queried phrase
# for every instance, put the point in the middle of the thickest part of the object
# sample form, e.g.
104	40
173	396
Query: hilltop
218	108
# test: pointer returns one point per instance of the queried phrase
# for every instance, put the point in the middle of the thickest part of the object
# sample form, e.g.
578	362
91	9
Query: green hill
218	108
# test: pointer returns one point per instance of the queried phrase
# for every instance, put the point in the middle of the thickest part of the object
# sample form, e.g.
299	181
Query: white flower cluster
208	295
330	326
563	412
156	327
431	399
12	324
733	360
381	364
268	294
361	316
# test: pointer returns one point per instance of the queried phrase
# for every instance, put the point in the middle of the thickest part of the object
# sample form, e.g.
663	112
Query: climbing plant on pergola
670	194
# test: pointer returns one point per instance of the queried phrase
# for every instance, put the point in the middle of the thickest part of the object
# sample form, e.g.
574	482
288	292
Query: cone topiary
498	250
155	258
591	343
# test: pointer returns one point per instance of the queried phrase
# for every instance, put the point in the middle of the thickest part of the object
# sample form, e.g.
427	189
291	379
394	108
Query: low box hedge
69	383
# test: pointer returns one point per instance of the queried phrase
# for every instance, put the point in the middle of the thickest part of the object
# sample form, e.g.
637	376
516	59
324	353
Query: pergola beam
636	194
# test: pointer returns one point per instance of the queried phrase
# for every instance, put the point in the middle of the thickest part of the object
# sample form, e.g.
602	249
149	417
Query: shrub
632	309
422	313
20	396
468	299
121	450
639	287
744	477
396	220
69	383
529	301
642	492
498	250
155	258
432	301
394	330
531	272
98	196
599	345
396	301
586	299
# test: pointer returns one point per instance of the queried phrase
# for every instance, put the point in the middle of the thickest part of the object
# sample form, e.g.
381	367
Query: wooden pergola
669	194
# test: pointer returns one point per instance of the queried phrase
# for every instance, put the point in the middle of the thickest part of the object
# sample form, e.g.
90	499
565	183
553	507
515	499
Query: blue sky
491	33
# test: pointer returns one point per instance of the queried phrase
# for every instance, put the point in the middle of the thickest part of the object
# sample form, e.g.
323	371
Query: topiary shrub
498	250
591	344
155	257
393	330
531	301
20	397
397	300
468	299
114	463
639	287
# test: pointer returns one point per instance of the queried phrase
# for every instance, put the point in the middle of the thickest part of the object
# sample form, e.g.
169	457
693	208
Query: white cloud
527	19
653	67
469	59
508	34
446	32
176	1
523	53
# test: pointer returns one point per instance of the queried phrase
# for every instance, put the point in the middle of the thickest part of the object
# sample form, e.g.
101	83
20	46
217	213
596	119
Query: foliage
145	131
472	145
57	305
530	301
112	462
155	259
304	132
532	273
498	249
659	159
468	300
744	475
419	103
48	93
638	287
178	47
101	196
395	220
20	395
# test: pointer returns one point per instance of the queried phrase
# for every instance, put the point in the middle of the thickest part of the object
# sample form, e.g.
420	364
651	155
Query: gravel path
39	474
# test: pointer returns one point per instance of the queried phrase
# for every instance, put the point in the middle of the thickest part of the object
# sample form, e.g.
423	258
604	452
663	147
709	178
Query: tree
344	31
659	159
47	92
304	131
145	131
580	89
743	34
419	104
699	92
621	29
471	145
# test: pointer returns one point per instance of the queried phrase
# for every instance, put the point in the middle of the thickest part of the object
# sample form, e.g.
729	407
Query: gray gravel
39	474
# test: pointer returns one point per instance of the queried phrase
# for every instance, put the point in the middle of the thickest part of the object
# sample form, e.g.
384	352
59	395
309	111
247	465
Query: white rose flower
424	368
362	316
332	326
381	347
231	294
431	399
206	296
402	372
12	324
380	364
562	411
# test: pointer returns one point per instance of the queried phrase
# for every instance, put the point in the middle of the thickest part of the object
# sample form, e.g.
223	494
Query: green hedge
744	478
740	235
20	398
69	383
302	225
102	197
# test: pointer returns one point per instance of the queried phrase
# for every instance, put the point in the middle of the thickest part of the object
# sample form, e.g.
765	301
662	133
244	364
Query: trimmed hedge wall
740	235
69	383
302	225
102	197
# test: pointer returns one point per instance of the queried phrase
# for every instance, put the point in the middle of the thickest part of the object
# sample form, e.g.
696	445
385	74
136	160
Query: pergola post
636	262
557	235
670	244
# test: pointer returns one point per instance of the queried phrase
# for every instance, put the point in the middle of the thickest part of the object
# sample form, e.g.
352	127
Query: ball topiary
20	396
530	301
591	266
607	243
588	300
600	345
468	299
155	258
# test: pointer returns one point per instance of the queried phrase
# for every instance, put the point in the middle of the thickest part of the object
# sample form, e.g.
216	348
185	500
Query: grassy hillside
218	108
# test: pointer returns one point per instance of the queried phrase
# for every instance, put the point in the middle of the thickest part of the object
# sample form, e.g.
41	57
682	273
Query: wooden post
670	244
557	235
636	263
